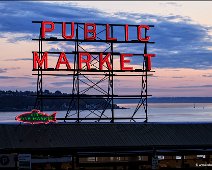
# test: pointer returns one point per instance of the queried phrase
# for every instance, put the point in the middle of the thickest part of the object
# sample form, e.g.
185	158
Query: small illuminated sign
36	117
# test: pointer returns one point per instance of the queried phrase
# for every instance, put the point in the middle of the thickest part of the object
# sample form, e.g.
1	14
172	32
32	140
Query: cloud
176	70
19	88
155	76
13	77
202	86
17	17
14	68
209	75
170	3
177	77
63	83
20	59
55	50
3	70
15	39
2	36
7	77
179	42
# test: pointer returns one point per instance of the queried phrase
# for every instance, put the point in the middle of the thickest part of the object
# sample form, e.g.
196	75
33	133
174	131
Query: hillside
25	101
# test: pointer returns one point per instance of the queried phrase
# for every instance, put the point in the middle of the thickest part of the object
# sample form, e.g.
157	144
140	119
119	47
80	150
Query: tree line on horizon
25	101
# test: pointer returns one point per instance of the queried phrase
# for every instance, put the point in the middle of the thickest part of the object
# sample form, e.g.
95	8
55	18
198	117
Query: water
164	112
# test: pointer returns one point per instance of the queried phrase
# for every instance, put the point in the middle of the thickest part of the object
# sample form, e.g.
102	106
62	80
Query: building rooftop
105	136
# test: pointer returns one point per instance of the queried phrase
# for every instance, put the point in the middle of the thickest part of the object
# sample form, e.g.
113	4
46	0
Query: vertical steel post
78	95
112	86
146	77
39	93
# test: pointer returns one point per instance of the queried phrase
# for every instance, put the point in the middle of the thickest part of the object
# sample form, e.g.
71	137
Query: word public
90	31
85	58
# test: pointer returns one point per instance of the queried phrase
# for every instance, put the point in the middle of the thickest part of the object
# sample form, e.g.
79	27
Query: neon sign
91	28
90	35
36	117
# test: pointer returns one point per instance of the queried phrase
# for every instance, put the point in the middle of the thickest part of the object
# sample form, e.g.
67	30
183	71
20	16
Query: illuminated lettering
86	61
44	29
104	60
36	60
108	33
126	33
140	33
123	61
149	64
63	60
91	31
64	31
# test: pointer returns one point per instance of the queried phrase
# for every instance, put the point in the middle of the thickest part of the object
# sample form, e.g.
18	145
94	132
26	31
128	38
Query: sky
182	34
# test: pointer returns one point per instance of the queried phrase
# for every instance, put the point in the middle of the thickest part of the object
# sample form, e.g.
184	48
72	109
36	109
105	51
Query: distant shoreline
14	101
24	110
171	105
150	105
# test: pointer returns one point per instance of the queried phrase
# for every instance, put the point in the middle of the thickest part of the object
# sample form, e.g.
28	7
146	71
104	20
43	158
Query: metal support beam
96	84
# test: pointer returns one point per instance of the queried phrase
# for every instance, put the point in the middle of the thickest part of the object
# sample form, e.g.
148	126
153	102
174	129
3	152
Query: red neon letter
62	60
108	33
104	60
140	33
126	33
122	61
44	60
81	60
64	31
44	29
92	31
148	56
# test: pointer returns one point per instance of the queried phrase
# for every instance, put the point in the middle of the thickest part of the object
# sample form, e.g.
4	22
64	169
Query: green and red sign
36	117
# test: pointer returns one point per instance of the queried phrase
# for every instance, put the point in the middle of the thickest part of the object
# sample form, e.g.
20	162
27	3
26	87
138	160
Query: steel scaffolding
85	87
